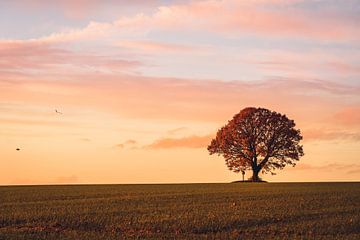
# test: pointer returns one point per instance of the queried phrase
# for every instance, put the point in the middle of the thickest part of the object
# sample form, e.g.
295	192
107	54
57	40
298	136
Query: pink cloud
304	62
253	17
318	135
171	98
72	9
202	141
344	67
316	86
48	54
78	9
158	47
185	142
348	116
21	56
221	17
24	54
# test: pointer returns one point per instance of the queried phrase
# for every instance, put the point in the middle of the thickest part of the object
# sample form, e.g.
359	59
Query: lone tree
258	139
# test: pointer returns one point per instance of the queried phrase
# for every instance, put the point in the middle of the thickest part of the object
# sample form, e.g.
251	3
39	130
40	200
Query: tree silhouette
258	139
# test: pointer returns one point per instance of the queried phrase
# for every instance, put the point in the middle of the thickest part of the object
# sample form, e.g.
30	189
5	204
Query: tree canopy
258	139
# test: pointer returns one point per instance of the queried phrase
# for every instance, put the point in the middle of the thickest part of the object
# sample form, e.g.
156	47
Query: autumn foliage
258	139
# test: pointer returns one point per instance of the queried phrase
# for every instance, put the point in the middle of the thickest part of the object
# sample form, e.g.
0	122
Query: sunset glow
143	86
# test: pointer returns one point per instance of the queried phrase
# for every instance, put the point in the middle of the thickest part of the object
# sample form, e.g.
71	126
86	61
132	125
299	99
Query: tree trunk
255	176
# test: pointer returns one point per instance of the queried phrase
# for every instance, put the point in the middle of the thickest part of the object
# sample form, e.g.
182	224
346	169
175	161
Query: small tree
258	139
243	174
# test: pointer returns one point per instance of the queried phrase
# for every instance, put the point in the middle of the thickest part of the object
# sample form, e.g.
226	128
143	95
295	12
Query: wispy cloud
176	130
155	47
329	135
40	122
79	9
335	167
29	57
185	142
128	143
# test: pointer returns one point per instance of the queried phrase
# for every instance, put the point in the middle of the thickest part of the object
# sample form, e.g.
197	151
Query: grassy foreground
182	211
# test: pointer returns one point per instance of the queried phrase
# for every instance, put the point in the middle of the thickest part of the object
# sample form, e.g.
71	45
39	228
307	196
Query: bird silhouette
58	111
18	149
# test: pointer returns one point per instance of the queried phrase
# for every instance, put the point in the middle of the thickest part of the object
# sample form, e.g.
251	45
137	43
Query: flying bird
18	149
58	111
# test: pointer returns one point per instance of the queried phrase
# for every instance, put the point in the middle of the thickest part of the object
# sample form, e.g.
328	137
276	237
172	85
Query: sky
144	85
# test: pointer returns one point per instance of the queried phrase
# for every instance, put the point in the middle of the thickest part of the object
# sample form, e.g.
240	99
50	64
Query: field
182	211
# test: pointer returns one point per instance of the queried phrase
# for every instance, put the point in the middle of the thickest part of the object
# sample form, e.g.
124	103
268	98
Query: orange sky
144	86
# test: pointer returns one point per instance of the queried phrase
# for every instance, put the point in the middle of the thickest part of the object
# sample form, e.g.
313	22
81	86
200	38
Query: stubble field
182	211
